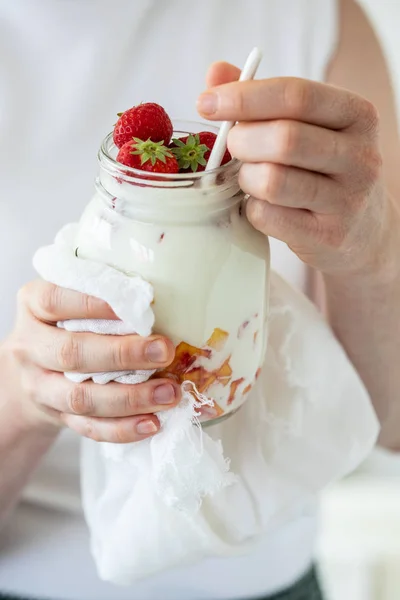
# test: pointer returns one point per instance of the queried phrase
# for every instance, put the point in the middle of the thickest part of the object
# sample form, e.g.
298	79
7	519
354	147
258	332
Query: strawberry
144	121
193	151
149	156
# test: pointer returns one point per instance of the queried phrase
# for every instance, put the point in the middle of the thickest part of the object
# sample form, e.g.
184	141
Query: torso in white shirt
66	68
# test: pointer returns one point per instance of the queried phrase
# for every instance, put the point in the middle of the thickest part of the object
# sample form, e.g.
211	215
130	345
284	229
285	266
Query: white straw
218	151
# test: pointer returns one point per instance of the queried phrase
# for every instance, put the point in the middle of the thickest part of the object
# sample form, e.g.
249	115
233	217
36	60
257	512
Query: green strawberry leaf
150	151
178	142
190	154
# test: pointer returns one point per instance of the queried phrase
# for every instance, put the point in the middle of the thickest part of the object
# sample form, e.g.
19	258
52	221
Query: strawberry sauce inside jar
187	234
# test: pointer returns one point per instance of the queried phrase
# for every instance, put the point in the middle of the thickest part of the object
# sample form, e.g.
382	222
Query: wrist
380	272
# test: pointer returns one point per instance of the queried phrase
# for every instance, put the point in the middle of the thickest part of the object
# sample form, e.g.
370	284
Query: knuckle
121	434
278	222
374	164
333	234
255	213
90	430
371	115
288	139
335	149
310	223
311	189
69	354
17	349
298	97
24	293
133	400
50	299
239	102
271	181
354	156
369	163
89	304
121	352
128	352
79	400
275	181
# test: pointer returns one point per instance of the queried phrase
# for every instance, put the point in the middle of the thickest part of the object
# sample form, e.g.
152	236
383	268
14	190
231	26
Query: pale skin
321	166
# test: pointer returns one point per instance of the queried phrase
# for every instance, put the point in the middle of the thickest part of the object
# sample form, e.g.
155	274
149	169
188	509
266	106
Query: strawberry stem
190	154
150	151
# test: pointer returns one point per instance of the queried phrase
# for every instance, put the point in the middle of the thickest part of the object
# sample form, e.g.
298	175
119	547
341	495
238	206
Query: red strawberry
144	121
149	156
193	151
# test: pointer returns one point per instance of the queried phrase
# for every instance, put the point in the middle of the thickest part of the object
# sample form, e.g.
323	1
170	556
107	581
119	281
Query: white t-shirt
66	68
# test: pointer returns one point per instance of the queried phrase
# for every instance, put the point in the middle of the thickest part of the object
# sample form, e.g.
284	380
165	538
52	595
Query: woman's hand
312	166
38	353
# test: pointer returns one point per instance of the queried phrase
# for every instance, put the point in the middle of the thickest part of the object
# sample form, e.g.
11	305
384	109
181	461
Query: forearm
22	445
364	313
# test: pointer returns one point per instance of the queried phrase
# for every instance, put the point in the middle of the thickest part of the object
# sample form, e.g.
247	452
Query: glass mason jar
187	234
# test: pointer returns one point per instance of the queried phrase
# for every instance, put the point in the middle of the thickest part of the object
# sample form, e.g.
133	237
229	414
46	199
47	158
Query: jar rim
108	162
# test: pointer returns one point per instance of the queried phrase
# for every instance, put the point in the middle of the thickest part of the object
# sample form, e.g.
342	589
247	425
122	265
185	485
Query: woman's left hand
311	164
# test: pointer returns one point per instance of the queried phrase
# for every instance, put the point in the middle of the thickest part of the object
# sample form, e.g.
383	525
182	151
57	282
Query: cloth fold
177	498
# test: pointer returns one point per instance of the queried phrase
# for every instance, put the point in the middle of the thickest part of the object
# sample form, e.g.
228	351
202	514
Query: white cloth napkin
176	498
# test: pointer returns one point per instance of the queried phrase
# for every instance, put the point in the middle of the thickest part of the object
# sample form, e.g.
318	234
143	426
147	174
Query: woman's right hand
38	353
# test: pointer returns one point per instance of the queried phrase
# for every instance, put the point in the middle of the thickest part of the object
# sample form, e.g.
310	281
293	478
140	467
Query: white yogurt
208	266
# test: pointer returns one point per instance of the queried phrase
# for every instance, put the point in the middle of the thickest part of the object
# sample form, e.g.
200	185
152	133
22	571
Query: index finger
288	98
51	303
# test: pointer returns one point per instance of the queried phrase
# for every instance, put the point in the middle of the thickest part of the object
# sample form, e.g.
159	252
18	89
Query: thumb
220	73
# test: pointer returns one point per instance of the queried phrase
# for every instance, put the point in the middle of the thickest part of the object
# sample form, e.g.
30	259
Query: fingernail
164	394
146	427
207	103
157	351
